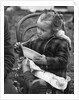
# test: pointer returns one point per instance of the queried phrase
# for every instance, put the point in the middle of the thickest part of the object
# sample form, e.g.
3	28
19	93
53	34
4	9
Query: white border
39	96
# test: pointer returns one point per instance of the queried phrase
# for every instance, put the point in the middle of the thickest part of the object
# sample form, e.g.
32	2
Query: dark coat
8	50
56	52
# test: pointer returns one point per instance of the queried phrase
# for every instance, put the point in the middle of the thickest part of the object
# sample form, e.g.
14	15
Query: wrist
25	68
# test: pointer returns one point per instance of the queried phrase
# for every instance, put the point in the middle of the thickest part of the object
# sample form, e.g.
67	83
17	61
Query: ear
57	20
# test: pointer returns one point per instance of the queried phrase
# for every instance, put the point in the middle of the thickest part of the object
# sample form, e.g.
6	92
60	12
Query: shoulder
5	19
59	42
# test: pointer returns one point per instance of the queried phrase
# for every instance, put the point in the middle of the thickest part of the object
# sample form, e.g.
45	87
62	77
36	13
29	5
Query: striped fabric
56	52
8	50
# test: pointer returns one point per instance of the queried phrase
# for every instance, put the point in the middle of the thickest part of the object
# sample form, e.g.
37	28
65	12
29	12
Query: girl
54	47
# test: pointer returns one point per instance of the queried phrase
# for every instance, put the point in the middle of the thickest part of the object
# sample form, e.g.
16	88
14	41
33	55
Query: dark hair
57	20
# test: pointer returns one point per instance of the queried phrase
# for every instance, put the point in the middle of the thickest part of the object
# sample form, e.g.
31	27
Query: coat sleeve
28	78
8	49
61	57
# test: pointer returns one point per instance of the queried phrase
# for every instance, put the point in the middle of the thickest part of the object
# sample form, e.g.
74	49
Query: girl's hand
26	65
40	60
17	48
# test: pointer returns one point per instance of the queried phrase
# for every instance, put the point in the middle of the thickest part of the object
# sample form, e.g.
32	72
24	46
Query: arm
61	57
28	76
59	60
18	48
8	50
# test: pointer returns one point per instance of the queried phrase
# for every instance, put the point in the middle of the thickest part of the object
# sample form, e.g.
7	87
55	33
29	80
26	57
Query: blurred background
16	13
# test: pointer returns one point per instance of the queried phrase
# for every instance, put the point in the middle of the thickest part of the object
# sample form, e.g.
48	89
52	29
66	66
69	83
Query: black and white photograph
38	49
43	41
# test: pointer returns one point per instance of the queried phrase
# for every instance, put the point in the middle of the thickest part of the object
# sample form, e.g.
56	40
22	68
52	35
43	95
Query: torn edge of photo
39	50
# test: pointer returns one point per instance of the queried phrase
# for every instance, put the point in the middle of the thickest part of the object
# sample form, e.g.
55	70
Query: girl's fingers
38	57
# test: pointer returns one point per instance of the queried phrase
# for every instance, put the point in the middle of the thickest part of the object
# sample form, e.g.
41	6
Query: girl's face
43	32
